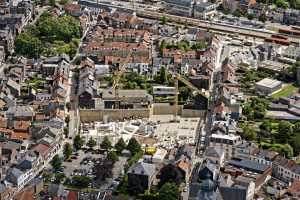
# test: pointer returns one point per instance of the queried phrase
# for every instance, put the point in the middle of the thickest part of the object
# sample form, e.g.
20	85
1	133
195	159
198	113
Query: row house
118	49
285	169
6	40
120	35
178	55
55	66
139	65
209	55
87	89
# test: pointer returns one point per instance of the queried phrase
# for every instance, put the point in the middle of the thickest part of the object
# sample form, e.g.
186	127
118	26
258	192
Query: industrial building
268	86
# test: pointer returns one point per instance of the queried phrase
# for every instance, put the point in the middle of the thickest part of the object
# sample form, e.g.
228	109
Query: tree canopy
50	34
78	142
133	146
106	144
68	150
120	145
169	191
170	173
248	132
81	181
91	143
56	162
255	108
285	131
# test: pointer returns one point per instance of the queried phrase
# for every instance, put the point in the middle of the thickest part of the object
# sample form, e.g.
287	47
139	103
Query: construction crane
118	74
178	77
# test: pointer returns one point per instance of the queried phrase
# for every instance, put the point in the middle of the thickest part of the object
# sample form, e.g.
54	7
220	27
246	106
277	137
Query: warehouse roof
269	83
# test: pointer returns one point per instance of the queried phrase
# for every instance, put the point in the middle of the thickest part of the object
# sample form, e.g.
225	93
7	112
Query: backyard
285	92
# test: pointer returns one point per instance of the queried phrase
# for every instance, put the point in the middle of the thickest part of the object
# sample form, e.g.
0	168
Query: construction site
125	114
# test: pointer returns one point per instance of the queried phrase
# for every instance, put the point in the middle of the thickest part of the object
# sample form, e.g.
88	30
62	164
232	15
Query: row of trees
133	146
58	34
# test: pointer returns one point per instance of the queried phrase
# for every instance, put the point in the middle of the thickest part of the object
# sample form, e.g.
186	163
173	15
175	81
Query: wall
193	113
165	109
87	115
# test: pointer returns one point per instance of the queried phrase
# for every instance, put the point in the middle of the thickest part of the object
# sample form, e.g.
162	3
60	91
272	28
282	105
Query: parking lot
82	163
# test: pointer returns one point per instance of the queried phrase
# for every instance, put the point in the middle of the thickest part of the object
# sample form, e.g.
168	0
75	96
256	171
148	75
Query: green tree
91	143
255	108
170	173
169	191
248	133
287	151
285	131
262	18
81	181
266	125
199	45
68	105
78	142
106	144
237	13
150	195
296	127
52	3
282	4
67	119
120	145
250	16
161	78
295	143
59	177
63	2
67	150
133	146
295	4
66	132
112	156
56	163
163	20
28	45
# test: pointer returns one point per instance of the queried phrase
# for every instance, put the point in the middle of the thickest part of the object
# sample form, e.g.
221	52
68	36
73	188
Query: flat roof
267	82
249	165
110	94
223	136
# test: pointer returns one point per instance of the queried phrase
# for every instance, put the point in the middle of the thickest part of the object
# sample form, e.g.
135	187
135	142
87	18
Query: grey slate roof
213	152
180	2
249	165
2	187
13	175
13	84
233	193
56	190
143	168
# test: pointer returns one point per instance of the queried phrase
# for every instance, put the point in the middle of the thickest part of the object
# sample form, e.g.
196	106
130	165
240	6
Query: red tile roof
18	135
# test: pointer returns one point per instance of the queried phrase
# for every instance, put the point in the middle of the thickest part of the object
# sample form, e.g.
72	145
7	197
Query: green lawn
286	91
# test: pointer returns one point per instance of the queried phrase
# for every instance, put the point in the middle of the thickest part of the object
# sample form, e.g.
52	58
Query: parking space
81	164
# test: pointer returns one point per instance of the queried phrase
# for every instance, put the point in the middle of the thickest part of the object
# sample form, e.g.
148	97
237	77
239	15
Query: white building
205	10
164	91
225	142
268	86
180	7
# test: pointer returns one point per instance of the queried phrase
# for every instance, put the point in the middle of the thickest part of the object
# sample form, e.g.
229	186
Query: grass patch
286	91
